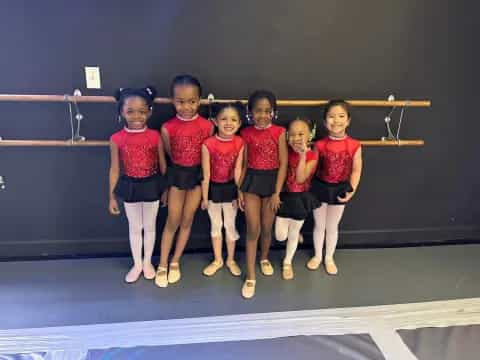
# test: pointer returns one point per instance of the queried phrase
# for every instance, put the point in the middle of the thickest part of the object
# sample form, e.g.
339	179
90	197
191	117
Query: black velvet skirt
184	177
297	205
259	182
222	192
329	192
131	189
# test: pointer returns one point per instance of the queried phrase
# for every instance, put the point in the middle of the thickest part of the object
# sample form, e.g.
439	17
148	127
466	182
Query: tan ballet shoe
174	274
287	272
330	267
212	268
248	289
266	267
161	279
314	263
234	268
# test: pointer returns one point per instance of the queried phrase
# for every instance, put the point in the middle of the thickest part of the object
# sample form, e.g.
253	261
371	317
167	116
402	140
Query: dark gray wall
55	202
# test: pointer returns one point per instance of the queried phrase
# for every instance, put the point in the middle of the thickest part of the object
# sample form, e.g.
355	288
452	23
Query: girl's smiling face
186	100
228	122
136	112
262	113
337	121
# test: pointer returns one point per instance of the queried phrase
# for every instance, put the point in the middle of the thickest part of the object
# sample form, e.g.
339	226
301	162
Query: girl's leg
149	214
135	225
334	215
293	231
192	202
216	223
268	217
215	214
252	216
281	228
231	236
176	199
319	215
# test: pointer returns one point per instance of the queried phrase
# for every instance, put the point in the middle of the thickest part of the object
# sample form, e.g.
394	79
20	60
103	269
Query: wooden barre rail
92	143
111	99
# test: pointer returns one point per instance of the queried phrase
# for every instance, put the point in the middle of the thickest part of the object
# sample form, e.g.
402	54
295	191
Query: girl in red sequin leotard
297	201
222	161
335	182
183	137
265	170
136	173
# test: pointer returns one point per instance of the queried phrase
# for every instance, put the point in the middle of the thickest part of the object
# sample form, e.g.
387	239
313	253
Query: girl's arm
238	171
206	176
114	174
162	162
356	169
166	141
282	171
304	169
244	157
355	176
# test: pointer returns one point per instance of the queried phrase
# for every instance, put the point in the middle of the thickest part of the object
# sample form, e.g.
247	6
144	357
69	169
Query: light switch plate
92	77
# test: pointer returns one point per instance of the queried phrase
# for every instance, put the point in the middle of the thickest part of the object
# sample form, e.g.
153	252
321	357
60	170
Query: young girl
336	181
222	161
183	137
265	169
137	153
297	201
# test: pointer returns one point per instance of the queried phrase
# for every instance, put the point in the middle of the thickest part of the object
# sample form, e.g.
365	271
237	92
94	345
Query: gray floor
89	291
345	347
449	343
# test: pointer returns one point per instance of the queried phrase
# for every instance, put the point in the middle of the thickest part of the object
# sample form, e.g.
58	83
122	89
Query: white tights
229	213
288	229
142	216
327	217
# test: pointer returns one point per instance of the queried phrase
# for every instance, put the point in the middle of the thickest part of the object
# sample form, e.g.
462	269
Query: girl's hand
241	201
348	196
275	202
300	149
113	207
204	204
164	198
235	204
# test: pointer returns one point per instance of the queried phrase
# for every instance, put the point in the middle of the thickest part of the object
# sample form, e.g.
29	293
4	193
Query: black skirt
328	192
184	177
222	192
260	182
297	205
131	189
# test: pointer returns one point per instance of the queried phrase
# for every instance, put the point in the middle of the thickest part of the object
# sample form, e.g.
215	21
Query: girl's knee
266	232
253	234
215	228
231	232
280	233
186	223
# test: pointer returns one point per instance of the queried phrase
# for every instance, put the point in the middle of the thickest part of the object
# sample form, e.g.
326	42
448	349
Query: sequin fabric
335	159
262	147
138	152
291	184
186	138
223	155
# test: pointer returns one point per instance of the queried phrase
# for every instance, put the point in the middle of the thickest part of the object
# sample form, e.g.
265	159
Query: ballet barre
96	143
159	100
76	139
